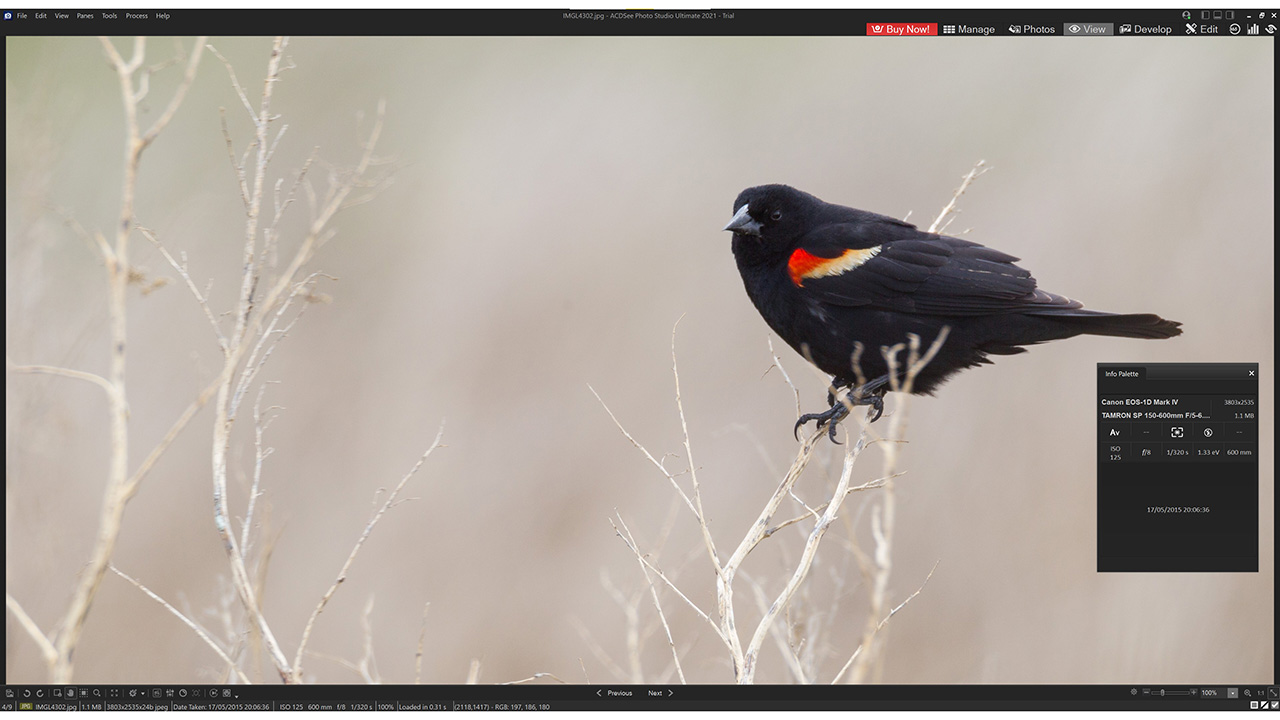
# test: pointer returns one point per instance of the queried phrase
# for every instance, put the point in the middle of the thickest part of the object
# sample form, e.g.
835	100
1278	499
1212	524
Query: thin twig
979	168
693	469
758	532
880	625
267	340
631	610
869	485
181	269
186	621
235	82
47	650
179	424
778	364
342	574
422	637
95	241
536	676
188	77
785	649
598	651
260	455
806	559
62	372
368	665
657	604
883	516
663	577
658	464
231	153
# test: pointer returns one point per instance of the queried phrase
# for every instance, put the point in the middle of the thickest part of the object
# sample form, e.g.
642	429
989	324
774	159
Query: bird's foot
840	410
831	419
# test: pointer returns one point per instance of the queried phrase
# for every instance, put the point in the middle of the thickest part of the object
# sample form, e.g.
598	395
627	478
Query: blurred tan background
558	209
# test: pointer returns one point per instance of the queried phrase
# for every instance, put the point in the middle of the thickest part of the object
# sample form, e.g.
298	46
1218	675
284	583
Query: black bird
830	279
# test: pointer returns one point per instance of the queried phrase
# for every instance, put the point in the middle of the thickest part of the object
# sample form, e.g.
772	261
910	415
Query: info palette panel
1178	467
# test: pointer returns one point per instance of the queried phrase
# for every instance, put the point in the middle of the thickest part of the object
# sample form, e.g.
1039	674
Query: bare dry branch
235	83
47	650
631	611
535	676
662	576
806	559
778	364
949	209
342	574
812	512
251	313
181	269
422	637
883	516
788	653
176	429
120	487
236	165
658	464
95	240
657	604
186	621
260	454
598	651
179	95
693	469
368	665
880	625
62	372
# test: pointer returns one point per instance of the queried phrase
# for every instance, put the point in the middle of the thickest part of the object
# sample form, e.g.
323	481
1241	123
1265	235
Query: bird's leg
836	384
870	393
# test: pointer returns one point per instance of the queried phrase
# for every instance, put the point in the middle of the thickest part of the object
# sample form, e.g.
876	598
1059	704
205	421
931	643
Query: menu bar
898	23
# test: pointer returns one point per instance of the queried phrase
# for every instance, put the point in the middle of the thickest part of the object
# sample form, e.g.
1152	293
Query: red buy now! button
903	29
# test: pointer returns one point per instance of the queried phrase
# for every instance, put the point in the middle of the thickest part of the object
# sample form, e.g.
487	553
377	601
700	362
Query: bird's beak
743	223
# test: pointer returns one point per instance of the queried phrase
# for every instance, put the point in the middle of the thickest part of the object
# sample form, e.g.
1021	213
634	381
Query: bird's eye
777	215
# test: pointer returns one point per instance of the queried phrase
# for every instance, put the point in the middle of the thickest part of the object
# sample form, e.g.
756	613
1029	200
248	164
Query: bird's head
771	212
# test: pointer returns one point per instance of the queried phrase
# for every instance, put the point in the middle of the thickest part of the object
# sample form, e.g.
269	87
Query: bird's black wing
897	267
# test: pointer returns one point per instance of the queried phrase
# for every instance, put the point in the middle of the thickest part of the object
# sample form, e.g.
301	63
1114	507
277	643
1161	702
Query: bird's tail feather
1137	325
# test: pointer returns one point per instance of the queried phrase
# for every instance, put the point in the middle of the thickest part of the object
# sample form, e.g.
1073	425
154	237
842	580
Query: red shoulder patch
803	264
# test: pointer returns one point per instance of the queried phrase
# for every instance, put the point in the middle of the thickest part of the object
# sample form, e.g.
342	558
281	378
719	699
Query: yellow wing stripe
803	265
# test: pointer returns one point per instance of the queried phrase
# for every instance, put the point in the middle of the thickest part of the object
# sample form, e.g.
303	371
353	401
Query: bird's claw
876	402
839	411
831	419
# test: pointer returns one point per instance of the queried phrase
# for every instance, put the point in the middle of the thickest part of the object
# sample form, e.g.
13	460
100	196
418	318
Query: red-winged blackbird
831	279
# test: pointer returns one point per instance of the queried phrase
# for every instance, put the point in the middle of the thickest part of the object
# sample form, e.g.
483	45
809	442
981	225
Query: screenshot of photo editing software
667	360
